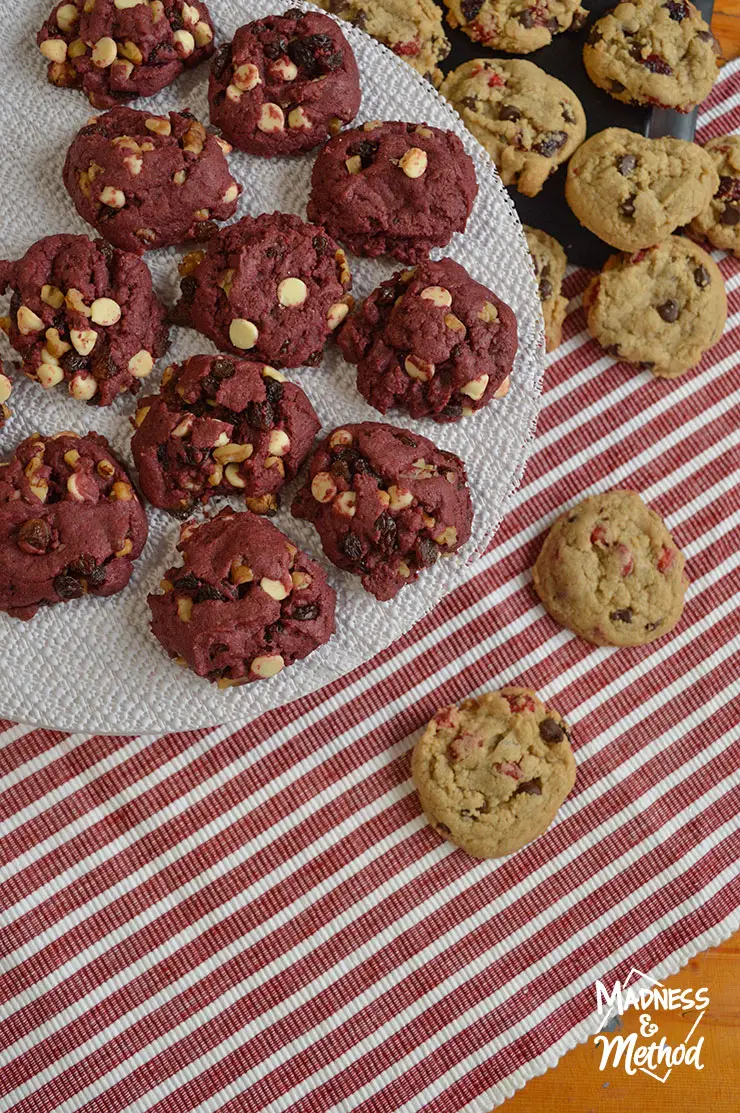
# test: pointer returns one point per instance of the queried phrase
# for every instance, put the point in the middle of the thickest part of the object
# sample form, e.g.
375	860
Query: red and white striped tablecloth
258	919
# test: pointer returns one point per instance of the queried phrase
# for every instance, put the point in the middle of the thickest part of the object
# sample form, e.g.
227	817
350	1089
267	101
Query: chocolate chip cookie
633	192
655	52
719	221
117	51
221	426
492	773
284	84
386	503
148	181
516	26
528	121
393	187
661	308
85	313
244	604
269	285
412	29
549	267
610	571
71	523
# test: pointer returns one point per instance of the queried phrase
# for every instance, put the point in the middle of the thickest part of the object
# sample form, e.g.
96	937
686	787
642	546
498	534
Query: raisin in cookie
433	342
516	26
146	181
655	52
117	51
719	221
85	313
492	773
549	268
386	504
5	391
528	121
244	604
610	571
71	523
661	308
284	84
221	426
632	192
271	285
393	187
412	29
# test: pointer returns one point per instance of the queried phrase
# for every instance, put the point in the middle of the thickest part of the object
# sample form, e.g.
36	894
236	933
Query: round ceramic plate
93	664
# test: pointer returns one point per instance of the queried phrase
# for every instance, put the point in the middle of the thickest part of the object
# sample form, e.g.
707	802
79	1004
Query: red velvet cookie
386	503
284	84
221	426
117	50
433	342
148	181
71	523
245	604
270	285
396	188
85	312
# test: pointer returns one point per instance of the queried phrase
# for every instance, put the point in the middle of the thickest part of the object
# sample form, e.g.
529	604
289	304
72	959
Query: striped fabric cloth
258	919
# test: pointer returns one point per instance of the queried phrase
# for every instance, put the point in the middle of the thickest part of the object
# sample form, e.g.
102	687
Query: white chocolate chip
134	164
413	162
121	492
76	487
279	443
104	52
5	388
489	312
301	580
344	504
274	588
233	477
421	130
105	311
141	364
231	194
297	118
400	497
353	164
28	321
184	427
271	118
503	390
49	375
83	340
454	323
112	197
323	487
184	43
437	295
246	77
446	536
243	334
158	125
122	70
73	300
141	415
53	296
76	49
284	68
179	177
340	438
271	373
476	388
203	34
292	291
55	345
342	268
233	93
419	369
225	147
83	387
131	51
191	15
184	608
240	573
265	667
123	5
54	49
233	453
67	16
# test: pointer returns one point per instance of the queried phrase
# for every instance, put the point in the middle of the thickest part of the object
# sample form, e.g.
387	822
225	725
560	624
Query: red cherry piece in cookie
666	558
626	559
520	702
509	769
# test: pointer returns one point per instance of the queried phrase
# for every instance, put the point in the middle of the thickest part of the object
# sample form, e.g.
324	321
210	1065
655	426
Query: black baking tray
563	59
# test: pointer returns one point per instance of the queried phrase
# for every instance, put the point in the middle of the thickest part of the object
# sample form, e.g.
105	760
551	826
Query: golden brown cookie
492	773
719	221
610	571
549	267
516	26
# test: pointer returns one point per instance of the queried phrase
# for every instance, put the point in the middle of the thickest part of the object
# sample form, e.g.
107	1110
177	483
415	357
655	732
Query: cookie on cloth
549	268
146	181
655	52
610	571
393	188
516	26
71	523
221	426
244	604
386	504
661	308
433	342
492	773
117	50
719	221
269	285
632	192
84	313
284	84
527	120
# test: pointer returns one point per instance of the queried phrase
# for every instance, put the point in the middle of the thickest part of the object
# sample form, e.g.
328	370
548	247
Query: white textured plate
94	665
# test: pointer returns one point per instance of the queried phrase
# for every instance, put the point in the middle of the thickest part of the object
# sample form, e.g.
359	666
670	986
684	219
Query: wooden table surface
576	1085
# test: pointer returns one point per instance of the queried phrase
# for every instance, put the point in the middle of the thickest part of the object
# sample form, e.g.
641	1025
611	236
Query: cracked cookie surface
433	342
632	192
610	571
492	773
284	84
719	221
549	266
516	26
661	308
656	52
244	604
528	121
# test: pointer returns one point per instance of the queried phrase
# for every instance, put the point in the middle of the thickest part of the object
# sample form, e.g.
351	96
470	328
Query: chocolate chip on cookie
516	26
492	773
549	266
244	604
719	221
610	571
412	29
